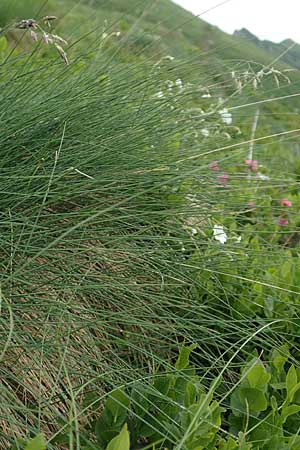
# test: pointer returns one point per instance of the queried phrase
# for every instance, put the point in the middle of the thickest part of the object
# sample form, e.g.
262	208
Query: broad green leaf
296	397
293	442
37	443
92	401
254	398
190	393
216	412
242	442
183	360
229	444
3	44
179	392
264	432
238	407
120	442
277	442
140	399
289	411
162	384
279	357
117	404
291	382
292	392
105	433
258	377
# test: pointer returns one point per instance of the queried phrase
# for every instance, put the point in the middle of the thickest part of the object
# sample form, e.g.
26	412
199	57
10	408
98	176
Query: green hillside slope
152	30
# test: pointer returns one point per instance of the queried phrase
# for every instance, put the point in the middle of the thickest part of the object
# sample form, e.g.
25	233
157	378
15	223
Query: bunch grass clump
89	231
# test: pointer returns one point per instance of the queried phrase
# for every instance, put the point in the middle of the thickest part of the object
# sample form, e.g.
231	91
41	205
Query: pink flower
223	179
251	204
214	166
282	222
252	164
286	202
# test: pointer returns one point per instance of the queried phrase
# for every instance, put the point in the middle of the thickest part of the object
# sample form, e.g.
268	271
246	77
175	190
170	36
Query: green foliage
268	407
176	408
121	441
113	417
3	44
175	403
184	357
36	443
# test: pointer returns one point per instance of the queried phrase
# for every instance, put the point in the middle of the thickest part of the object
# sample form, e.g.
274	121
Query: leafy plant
176	407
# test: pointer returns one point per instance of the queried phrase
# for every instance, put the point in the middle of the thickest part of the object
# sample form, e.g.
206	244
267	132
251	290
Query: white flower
194	231
170	85
206	96
219	234
160	94
238	238
47	38
262	177
179	83
205	132
182	246
226	116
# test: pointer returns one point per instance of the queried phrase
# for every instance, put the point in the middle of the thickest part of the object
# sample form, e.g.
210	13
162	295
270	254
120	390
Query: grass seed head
62	53
27	24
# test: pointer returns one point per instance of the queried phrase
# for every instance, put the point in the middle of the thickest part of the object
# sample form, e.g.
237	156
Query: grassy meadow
149	232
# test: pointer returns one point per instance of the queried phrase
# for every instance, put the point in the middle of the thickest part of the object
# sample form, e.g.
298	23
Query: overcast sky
269	19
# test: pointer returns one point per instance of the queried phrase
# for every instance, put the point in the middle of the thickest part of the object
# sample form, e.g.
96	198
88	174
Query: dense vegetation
149	232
